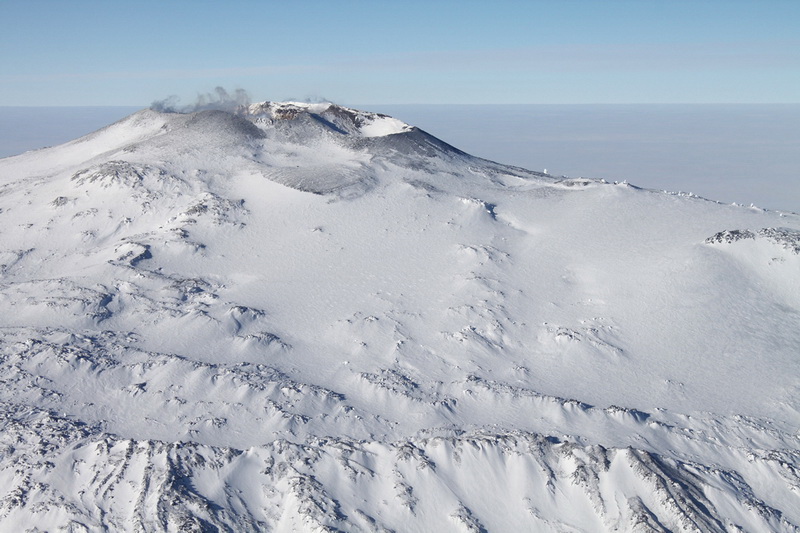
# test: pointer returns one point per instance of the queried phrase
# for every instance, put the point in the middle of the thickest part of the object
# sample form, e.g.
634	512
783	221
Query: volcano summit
304	317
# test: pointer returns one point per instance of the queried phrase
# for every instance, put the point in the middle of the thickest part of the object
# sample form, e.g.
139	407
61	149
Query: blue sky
369	52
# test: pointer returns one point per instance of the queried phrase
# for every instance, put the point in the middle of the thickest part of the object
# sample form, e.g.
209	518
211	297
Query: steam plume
219	99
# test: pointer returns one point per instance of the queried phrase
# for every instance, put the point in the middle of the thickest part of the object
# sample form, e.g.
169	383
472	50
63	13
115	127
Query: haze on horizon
566	52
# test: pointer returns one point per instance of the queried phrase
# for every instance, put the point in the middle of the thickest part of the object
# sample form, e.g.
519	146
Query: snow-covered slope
303	317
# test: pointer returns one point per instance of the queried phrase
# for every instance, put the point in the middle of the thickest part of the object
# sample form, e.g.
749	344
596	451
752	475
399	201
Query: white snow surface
343	119
303	317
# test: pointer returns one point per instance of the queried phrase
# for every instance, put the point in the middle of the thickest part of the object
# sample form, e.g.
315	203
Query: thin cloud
593	57
264	70
588	57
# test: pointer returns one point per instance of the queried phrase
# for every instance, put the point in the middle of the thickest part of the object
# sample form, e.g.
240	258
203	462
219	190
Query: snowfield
304	317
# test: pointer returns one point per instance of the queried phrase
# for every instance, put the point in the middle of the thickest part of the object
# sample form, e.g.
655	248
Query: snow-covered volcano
303	317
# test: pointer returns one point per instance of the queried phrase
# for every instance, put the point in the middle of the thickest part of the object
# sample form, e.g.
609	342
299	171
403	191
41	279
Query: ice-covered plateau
303	317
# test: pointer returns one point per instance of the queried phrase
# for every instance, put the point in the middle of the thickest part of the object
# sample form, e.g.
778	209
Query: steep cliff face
308	317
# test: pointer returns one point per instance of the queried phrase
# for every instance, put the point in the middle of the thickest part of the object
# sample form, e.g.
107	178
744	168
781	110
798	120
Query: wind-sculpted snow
303	317
415	484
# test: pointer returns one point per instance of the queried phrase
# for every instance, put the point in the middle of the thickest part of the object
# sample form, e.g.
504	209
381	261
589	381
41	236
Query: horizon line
44	106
